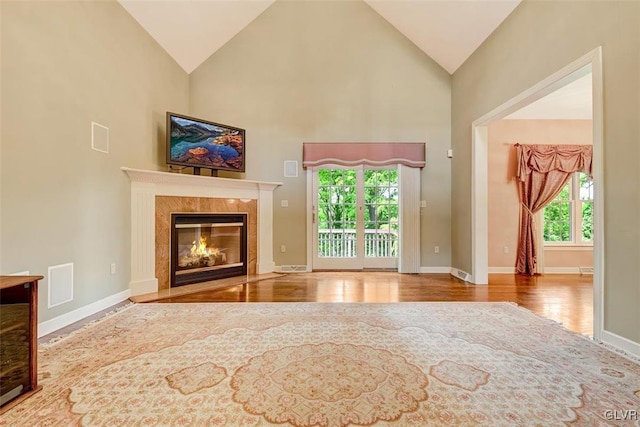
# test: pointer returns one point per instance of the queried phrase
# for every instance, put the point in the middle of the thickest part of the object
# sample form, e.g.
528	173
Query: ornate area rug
312	364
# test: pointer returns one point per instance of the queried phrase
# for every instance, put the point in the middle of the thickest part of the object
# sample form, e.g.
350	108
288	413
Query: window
568	219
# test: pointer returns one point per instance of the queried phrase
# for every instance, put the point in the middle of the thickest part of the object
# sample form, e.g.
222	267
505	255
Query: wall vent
461	274
99	137
60	284
291	168
293	268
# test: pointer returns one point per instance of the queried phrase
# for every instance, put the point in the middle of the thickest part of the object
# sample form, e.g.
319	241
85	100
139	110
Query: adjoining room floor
564	298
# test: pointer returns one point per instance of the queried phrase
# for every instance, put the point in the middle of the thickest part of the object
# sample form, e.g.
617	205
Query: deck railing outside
342	243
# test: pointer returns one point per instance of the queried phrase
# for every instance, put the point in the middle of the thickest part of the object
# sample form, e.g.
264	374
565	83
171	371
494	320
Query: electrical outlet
283	248
505	249
436	249
113	268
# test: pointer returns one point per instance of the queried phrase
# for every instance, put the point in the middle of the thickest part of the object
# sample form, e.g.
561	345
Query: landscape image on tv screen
198	143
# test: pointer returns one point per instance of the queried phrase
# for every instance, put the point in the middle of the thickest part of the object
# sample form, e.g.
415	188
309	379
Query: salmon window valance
363	153
544	158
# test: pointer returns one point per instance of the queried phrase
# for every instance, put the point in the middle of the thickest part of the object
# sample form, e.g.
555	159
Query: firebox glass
208	246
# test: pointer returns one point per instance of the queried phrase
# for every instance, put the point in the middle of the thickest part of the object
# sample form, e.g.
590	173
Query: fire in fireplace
207	246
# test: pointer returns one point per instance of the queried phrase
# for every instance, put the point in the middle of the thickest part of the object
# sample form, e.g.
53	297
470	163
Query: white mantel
146	185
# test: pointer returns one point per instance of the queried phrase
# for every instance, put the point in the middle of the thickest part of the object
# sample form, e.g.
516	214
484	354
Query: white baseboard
307	269
446	270
145	286
20	273
60	322
502	270
622	343
547	270
427	270
562	270
266	267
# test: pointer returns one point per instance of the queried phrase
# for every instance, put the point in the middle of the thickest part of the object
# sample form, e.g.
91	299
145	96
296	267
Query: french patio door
355	218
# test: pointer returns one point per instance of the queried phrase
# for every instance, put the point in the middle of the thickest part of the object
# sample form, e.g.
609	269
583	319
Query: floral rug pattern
313	364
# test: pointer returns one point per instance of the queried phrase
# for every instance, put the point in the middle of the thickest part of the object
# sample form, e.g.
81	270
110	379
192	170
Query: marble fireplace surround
166	205
154	194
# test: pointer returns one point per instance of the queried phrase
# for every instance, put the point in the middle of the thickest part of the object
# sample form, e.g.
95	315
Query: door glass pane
336	213
381	212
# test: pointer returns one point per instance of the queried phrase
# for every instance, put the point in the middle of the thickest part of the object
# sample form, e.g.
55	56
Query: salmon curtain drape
543	170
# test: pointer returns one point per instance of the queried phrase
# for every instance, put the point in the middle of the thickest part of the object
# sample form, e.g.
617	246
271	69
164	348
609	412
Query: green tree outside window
569	217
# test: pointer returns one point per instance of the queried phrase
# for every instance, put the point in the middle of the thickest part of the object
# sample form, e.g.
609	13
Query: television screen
203	144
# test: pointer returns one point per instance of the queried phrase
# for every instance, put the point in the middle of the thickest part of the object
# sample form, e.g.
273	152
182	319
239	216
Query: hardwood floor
567	299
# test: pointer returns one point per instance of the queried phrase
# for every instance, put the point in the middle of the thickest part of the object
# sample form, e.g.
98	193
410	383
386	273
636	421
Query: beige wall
302	71
64	65
503	194
329	72
538	39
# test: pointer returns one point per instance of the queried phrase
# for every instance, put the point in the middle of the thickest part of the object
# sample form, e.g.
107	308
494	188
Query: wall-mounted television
200	143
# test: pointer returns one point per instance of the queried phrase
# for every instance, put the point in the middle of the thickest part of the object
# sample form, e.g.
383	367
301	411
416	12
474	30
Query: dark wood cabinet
18	339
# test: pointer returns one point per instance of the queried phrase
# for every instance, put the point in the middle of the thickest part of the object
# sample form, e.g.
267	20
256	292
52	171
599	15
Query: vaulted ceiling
449	31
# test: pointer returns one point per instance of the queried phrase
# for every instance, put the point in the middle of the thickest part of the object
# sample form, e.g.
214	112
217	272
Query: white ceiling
449	31
573	101
184	27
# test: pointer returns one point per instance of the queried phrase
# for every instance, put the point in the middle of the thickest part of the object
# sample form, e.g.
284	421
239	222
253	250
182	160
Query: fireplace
207	246
155	195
